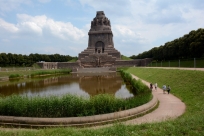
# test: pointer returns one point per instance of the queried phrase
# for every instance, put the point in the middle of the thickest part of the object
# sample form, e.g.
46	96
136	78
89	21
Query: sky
62	26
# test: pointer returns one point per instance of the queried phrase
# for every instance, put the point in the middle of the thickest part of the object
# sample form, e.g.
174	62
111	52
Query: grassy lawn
125	58
24	72
73	60
185	84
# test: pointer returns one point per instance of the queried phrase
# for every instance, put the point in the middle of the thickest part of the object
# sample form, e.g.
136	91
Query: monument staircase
94	70
109	50
97	60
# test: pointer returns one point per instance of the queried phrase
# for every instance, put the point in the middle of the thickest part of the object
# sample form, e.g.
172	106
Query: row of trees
189	46
28	60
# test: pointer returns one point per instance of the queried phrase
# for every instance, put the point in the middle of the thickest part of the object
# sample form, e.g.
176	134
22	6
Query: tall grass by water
136	86
67	105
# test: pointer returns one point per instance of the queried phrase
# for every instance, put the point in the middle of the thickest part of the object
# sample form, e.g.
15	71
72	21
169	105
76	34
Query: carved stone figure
98	62
105	21
97	23
101	21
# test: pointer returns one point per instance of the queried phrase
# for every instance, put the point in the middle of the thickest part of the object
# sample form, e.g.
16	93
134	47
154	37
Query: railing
191	63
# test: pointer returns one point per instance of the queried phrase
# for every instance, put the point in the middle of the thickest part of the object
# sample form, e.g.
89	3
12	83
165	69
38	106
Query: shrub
137	87
14	76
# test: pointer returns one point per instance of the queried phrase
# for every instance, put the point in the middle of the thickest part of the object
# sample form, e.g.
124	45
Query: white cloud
5	26
44	1
42	25
44	33
9	5
113	7
126	34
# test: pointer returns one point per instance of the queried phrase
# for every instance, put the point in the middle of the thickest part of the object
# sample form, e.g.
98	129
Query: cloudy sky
61	26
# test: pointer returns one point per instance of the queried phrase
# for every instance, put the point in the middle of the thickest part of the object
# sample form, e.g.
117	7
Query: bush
14	76
137	87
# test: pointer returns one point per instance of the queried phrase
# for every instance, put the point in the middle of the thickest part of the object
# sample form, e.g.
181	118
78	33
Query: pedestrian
168	89
155	86
151	86
164	88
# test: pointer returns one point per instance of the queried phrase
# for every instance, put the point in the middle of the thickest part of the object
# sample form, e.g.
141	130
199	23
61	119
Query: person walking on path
168	89
151	86
164	88
155	86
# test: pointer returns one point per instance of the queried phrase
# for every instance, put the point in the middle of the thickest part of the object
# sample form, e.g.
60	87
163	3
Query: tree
188	46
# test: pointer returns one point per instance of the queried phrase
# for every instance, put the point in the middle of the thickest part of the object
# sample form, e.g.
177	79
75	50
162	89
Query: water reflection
79	84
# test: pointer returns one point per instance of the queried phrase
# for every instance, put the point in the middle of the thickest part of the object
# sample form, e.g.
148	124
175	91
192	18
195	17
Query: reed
66	106
136	86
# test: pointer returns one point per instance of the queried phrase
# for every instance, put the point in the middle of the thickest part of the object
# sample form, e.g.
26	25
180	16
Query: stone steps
93	70
107	50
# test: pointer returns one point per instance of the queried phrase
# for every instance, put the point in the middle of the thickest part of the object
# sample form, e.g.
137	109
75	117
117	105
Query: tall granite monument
100	51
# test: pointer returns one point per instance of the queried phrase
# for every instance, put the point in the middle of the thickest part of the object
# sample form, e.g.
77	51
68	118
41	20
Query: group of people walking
155	86
164	87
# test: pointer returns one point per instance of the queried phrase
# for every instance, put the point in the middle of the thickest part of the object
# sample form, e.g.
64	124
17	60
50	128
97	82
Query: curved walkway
169	107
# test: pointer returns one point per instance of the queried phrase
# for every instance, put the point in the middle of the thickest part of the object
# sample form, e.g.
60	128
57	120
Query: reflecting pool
84	84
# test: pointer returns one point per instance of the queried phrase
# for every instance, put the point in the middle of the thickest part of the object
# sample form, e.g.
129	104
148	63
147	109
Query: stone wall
130	63
75	65
70	65
48	65
122	63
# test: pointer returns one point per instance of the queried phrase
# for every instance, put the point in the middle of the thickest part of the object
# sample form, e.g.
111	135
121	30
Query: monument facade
100	51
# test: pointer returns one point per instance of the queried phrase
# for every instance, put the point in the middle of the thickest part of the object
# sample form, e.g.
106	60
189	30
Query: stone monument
100	51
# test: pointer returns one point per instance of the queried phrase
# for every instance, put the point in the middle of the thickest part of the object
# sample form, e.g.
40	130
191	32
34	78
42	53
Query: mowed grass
125	58
32	73
23	72
187	85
